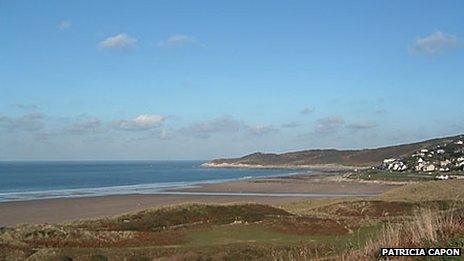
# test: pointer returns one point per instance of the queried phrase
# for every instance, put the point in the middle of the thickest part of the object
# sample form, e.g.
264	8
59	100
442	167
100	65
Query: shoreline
275	191
137	189
321	167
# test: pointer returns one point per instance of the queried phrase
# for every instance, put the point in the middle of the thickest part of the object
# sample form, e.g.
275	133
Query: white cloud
435	43
27	122
260	130
307	110
140	123
177	40
226	125
206	128
328	124
64	24
334	123
121	42
85	125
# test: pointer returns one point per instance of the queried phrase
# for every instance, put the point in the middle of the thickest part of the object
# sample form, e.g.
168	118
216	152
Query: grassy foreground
421	214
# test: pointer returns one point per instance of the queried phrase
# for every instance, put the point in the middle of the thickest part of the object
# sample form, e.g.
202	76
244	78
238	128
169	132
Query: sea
63	179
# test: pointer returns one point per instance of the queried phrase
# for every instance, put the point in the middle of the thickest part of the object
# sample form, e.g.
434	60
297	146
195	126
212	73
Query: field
333	229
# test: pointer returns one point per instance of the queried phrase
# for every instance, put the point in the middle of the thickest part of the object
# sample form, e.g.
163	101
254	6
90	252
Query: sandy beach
69	209
315	183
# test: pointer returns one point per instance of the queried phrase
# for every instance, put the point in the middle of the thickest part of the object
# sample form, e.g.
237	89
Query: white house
444	163
429	168
442	177
395	165
419	166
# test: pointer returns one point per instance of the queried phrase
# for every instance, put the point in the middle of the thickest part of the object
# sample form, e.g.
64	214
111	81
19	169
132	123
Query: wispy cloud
85	125
435	43
140	123
260	130
362	125
27	122
64	24
178	40
328	124
120	41
335	123
204	129
165	134
292	124
226	125
307	110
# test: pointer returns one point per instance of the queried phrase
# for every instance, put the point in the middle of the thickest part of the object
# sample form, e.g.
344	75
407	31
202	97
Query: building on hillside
445	163
419	167
442	177
429	168
388	161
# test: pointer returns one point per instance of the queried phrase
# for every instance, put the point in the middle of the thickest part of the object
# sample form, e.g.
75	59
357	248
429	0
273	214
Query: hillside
329	157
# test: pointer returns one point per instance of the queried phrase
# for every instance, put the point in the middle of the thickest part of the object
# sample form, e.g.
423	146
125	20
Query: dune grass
428	228
426	191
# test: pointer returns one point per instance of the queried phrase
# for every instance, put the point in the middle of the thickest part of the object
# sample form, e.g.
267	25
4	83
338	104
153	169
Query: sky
113	80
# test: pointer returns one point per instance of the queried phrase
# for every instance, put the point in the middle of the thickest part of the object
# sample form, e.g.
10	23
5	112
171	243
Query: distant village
443	158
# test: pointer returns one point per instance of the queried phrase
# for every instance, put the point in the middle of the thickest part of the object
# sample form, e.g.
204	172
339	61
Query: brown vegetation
427	228
187	215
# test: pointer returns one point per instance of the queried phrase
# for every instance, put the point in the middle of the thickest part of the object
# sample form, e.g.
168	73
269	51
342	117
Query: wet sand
303	183
69	209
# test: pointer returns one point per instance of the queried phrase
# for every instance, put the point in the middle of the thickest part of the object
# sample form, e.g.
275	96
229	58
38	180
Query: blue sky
206	79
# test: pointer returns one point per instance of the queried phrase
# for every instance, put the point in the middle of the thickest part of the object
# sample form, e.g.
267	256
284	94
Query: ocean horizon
31	180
